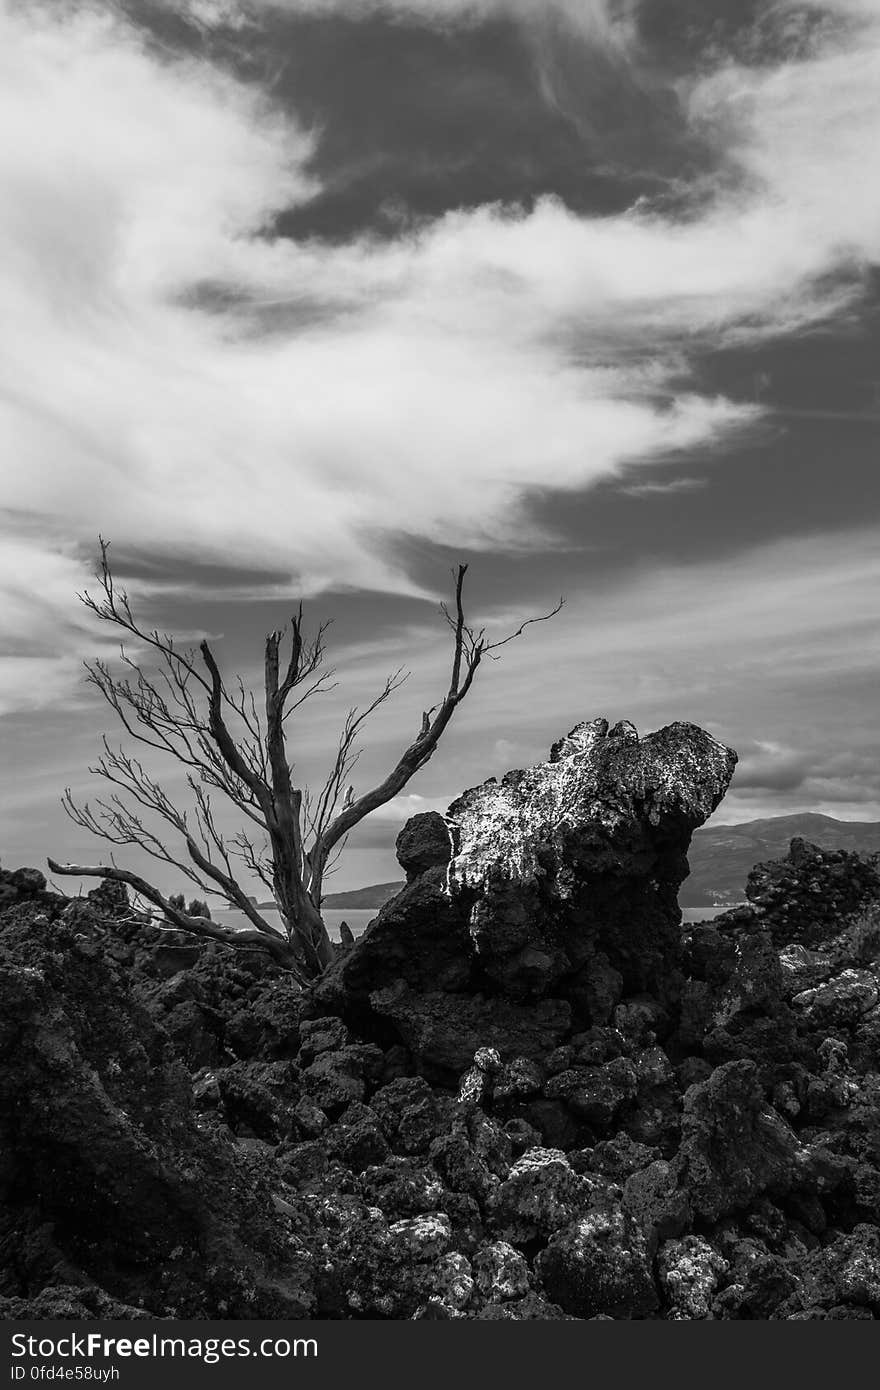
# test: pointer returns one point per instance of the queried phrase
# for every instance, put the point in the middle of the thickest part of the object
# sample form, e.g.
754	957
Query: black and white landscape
440	455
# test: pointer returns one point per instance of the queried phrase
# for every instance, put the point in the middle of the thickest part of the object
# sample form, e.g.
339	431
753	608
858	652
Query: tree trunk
320	937
302	920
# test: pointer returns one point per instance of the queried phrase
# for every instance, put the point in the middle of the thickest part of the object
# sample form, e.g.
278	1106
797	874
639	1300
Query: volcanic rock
812	895
525	1093
600	1264
560	895
107	1178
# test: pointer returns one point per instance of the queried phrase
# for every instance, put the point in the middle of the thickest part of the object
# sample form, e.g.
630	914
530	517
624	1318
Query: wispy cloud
664	489
612	19
42	635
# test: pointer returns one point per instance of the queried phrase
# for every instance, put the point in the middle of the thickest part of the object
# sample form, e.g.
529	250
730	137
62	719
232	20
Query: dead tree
175	701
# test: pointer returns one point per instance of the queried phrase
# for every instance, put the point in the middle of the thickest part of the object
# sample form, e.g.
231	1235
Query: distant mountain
374	896
721	856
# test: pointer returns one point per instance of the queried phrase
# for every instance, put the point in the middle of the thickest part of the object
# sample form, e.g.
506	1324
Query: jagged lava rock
690	1270
600	1264
810	896
733	1144
585	854
105	1172
556	884
444	1031
709	1151
501	1272
423	843
541	1193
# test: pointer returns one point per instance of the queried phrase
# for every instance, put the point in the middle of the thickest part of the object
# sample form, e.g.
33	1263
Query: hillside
373	896
721	856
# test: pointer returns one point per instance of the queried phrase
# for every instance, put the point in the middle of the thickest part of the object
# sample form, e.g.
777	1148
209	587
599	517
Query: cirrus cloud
607	19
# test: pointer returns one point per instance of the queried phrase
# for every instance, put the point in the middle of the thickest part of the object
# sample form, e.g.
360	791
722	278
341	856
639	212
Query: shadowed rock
423	843
813	894
562	886
105	1172
585	854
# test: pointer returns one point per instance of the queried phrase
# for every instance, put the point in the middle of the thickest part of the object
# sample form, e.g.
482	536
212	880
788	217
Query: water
358	918
701	914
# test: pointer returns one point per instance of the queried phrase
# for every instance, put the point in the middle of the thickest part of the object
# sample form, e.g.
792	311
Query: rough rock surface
552	890
653	1123
814	893
600	1264
555	864
106	1176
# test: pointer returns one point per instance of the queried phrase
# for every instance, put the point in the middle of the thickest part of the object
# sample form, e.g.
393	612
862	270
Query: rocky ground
525	1093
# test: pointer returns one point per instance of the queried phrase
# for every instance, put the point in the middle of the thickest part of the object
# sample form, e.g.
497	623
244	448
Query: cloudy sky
320	297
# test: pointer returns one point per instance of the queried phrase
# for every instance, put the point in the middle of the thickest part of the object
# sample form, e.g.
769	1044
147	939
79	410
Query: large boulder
733	1145
555	888
444	1031
585	854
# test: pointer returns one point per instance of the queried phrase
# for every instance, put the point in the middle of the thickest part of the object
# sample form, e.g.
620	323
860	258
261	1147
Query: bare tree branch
469	648
175	702
275	944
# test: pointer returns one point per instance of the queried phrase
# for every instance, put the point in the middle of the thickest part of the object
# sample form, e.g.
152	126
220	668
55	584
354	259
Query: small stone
206	1089
599	1264
408	1112
319	1035
690	1271
541	1193
310	1118
501	1272
421	1238
453	1282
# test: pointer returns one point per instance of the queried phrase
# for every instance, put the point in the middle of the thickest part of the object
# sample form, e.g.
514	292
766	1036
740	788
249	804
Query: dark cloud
771	771
181	573
825	773
682	33
414	120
